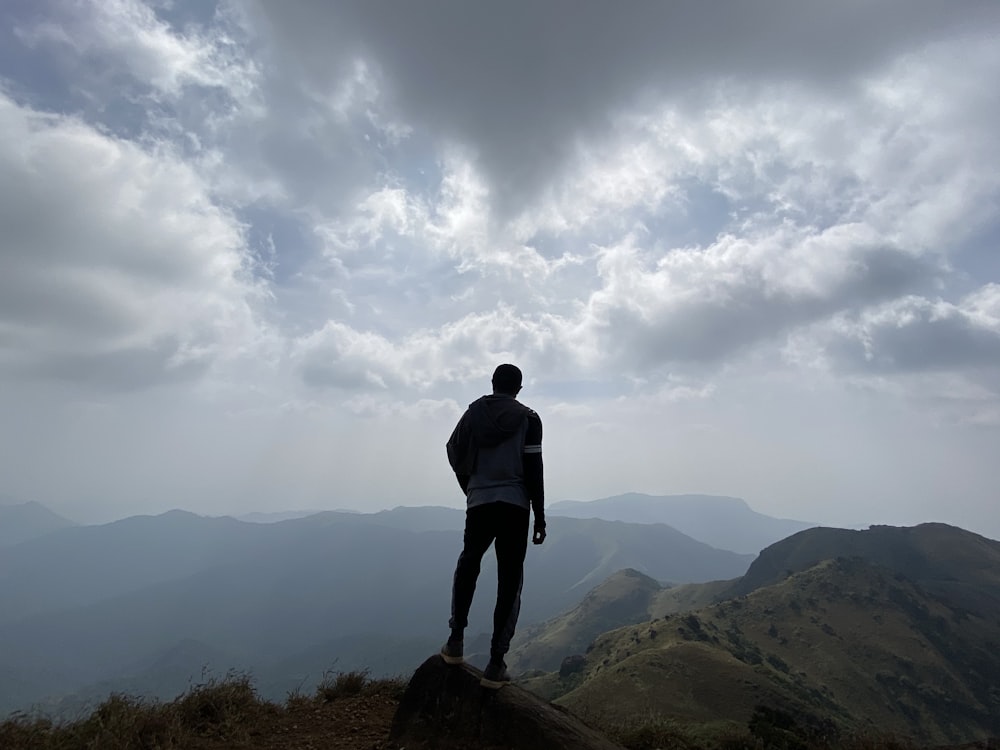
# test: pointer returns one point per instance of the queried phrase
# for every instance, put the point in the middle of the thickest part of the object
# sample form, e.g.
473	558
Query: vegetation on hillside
843	647
221	713
348	711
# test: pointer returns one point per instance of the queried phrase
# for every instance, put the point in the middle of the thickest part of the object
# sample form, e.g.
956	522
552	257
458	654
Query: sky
259	256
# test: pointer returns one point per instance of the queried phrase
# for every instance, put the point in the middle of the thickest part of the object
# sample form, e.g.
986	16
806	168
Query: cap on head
507	379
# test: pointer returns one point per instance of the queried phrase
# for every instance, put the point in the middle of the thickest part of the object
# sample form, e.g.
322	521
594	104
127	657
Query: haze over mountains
723	522
149	600
20	522
888	628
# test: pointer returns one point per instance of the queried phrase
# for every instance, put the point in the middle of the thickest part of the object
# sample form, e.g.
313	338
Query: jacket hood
495	418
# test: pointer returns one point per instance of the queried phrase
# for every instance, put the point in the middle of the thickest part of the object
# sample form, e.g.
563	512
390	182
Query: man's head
507	380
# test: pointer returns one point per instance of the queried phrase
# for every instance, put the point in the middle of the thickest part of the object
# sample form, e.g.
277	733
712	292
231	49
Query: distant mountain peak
179	513
631	576
683	498
720	521
22	522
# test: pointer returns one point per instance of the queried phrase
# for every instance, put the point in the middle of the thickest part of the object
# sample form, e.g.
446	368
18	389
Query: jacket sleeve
462	452
534	480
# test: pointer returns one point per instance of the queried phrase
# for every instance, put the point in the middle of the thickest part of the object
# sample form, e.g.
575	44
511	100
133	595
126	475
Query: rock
445	707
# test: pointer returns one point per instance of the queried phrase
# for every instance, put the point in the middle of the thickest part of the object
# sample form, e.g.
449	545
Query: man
496	453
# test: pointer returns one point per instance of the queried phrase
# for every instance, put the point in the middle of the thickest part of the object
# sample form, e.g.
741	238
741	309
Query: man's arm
534	479
461	454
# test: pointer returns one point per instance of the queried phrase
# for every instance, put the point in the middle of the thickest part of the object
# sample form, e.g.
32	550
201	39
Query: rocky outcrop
445	707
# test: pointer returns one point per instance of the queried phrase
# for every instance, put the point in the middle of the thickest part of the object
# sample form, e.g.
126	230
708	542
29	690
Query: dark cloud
714	321
117	370
917	335
519	81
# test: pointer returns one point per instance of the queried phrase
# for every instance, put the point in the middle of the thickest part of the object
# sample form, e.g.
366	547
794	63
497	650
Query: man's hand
539	533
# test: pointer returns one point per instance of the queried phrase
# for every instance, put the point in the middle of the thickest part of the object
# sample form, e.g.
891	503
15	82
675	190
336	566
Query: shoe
453	652
495	675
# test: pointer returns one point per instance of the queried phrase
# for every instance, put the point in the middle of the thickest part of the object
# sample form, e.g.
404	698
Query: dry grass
228	713
336	685
227	710
217	708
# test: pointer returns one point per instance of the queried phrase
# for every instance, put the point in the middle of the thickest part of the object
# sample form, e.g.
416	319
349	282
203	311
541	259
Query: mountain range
89	608
21	522
723	522
889	629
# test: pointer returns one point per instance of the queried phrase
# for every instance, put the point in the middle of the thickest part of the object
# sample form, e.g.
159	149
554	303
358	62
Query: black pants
506	525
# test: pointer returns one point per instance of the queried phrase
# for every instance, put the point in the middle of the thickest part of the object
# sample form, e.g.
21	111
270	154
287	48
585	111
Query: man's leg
511	546
479	534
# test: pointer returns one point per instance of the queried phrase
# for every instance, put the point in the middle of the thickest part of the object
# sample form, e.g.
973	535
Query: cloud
119	270
520	84
419	411
915	334
821	205
707	304
942	358
127	39
323	224
454	221
338	356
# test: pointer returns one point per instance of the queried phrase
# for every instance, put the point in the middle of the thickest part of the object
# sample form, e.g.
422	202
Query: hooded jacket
496	453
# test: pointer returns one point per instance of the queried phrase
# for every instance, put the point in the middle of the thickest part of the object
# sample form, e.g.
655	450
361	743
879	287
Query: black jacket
488	422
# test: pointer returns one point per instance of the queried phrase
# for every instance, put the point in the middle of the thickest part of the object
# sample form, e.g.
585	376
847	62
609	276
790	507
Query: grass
768	729
655	732
223	709
764	732
228	712
336	685
843	646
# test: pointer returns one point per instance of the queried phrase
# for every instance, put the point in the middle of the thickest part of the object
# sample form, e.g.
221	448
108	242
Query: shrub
23	731
336	685
120	723
651	733
220	707
776	729
777	662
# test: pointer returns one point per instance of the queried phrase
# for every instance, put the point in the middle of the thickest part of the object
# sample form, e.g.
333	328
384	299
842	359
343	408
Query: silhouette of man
496	453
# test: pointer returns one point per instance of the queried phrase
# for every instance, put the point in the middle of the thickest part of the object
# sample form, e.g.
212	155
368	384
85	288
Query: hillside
21	522
958	566
624	598
721	522
87	609
842	646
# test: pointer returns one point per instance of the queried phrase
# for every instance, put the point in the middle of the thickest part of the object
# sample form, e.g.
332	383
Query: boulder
445	707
